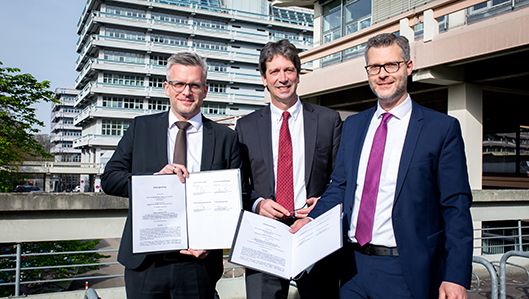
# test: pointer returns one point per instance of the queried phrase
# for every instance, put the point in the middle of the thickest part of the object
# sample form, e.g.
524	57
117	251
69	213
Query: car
27	188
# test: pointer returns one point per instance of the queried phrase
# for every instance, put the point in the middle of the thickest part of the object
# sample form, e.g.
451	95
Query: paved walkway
513	292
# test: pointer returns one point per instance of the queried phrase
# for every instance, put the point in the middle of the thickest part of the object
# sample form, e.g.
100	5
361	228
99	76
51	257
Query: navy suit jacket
322	127
431	211
143	150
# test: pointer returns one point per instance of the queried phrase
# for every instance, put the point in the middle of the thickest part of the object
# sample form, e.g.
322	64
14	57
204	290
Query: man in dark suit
313	139
407	222
147	148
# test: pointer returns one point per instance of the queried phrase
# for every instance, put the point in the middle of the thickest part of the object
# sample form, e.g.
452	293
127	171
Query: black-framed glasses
179	86
390	67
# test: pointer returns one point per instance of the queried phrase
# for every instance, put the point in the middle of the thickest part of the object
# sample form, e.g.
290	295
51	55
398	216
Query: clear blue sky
39	37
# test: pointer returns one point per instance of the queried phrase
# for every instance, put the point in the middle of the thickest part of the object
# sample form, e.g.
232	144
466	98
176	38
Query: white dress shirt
397	128
295	126
194	141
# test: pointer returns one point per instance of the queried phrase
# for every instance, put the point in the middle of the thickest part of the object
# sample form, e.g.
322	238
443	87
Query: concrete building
63	134
123	48
462	53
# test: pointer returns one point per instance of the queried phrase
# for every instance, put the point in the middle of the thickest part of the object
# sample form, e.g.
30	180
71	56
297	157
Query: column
465	103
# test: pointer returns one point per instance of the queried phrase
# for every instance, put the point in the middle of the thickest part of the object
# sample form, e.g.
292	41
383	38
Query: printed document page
266	245
201	213
158	213
213	205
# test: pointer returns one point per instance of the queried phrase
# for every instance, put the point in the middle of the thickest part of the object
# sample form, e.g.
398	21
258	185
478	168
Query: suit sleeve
249	194
455	200
335	192
116	177
337	134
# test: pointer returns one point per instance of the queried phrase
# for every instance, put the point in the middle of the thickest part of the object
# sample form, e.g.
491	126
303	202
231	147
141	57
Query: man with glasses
289	148
401	176
150	146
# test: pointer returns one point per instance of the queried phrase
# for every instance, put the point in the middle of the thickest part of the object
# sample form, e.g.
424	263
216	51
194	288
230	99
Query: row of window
114	127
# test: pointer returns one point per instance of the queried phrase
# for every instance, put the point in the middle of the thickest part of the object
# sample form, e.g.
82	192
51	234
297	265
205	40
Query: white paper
213	206
168	215
266	245
158	213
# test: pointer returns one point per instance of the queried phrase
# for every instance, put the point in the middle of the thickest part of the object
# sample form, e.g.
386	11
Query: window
169	39
169	18
125	34
162	105
157	82
211	23
217	66
357	15
114	127
279	34
123	79
213	109
332	21
159	60
210	45
124	11
123	56
120	102
217	87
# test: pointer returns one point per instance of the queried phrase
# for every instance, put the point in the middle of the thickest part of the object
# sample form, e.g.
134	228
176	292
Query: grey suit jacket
143	150
322	128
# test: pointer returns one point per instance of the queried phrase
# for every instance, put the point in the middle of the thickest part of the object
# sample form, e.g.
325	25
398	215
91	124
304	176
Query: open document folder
266	245
201	213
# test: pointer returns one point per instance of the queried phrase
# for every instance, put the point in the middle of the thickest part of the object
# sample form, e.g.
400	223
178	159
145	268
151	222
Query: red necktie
285	180
368	203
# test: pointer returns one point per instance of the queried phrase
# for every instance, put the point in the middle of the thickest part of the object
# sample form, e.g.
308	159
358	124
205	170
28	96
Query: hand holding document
201	213
266	245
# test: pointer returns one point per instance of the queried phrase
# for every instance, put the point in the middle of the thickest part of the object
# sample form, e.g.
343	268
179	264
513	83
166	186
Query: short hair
386	40
189	59
283	48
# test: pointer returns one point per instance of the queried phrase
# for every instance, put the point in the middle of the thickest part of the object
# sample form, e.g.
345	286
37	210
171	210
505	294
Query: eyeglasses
290	219
178	86
390	67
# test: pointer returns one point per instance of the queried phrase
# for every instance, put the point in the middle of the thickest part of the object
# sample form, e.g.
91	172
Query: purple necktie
368	203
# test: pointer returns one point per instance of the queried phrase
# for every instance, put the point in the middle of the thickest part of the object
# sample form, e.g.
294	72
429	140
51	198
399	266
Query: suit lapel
160	146
410	143
264	133
208	138
310	127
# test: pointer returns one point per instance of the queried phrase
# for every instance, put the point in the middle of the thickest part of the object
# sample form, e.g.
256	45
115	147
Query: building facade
123	48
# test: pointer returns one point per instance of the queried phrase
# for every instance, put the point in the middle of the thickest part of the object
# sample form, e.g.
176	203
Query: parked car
27	188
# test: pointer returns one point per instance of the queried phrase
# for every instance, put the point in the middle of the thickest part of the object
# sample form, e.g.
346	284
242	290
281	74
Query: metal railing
230	272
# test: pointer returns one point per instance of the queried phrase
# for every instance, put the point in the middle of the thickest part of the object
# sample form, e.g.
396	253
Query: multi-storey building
63	134
62	128
124	45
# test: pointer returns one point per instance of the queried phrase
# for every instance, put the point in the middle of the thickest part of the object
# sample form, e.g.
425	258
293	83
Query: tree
18	92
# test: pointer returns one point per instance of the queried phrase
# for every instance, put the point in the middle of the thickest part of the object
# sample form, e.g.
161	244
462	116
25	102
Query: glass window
124	11
217	87
123	79
114	127
162	105
169	18
123	56
169	39
213	109
121	102
157	82
210	45
217	66
125	34
159	59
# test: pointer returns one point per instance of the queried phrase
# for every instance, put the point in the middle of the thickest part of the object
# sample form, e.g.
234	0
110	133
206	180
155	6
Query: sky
39	37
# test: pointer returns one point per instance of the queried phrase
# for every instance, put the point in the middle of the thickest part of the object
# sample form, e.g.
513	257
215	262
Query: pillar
465	103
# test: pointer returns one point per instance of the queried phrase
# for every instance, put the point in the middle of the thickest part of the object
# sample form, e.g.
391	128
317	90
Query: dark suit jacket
431	212
143	150
322	127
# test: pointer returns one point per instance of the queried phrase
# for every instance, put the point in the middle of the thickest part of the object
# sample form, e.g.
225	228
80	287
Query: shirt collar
398	112
277	114
195	121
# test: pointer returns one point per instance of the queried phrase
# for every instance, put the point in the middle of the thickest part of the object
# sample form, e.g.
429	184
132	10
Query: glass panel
332	20
357	10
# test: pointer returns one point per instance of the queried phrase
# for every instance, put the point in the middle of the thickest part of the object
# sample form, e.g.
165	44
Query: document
201	213
266	245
